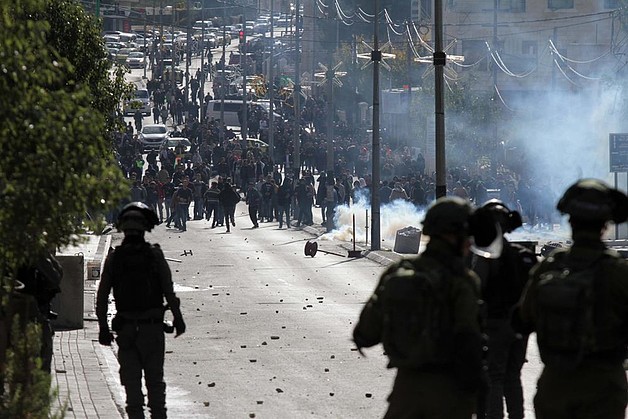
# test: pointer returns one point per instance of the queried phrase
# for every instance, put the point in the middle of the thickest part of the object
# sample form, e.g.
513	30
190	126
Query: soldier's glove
105	337
179	326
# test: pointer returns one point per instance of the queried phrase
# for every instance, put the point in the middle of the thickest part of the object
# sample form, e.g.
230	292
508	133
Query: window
516	6
529	48
611	4
559	4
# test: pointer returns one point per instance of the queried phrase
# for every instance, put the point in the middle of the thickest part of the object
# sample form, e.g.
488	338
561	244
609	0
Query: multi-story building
521	47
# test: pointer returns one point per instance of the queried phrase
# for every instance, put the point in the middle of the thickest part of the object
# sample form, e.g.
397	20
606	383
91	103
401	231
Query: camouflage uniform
447	388
598	387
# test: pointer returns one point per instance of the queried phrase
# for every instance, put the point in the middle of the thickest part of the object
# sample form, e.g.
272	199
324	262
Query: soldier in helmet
502	282
426	311
577	302
140	278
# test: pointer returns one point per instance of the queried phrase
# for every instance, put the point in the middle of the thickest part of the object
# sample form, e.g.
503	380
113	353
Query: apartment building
521	47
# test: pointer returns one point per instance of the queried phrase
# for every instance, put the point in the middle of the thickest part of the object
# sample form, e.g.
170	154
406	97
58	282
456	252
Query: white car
136	60
152	136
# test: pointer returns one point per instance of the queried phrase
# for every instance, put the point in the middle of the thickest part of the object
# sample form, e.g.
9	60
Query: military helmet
448	215
594	200
507	219
137	216
454	215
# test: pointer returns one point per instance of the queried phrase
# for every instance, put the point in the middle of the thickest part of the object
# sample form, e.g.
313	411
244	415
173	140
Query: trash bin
407	240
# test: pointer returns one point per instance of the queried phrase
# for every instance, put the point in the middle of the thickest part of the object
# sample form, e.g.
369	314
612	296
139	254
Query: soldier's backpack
417	325
566	312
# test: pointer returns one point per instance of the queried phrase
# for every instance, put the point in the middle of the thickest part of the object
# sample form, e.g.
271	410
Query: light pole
297	94
202	80
271	85
439	100
145	64
376	57
244	129
223	78
188	59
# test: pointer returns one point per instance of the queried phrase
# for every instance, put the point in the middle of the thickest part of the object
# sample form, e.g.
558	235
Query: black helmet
448	215
454	215
137	216
507	219
594	200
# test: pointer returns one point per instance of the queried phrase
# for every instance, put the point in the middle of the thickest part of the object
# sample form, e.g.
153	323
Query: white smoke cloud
393	217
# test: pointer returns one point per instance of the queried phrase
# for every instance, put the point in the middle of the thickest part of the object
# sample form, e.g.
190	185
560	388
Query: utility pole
188	60
439	100
297	94
145	50
244	62
271	85
495	40
330	109
376	57
223	79
173	78
202	80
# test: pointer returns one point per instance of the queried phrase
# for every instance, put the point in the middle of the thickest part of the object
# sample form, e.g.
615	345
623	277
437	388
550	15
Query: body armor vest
136	285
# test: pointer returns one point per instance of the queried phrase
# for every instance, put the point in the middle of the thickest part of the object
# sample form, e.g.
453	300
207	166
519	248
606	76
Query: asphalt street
269	329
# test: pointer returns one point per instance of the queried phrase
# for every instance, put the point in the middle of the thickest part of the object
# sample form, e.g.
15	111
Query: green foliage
58	102
75	35
57	162
28	387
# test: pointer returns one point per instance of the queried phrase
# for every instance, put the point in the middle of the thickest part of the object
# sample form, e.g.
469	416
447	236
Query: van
140	100
231	110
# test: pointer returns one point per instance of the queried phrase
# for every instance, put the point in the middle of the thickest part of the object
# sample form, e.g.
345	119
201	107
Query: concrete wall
69	302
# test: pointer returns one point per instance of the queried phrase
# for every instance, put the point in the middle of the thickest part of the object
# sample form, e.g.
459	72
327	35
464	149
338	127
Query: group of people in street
456	357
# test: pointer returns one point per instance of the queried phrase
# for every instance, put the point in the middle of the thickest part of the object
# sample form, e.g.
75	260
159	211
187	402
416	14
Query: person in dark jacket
284	199
502	281
212	204
229	198
253	200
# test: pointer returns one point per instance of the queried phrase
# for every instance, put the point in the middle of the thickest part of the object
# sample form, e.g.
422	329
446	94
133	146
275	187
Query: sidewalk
81	367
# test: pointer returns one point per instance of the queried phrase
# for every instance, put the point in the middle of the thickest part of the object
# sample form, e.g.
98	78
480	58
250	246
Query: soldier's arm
368	331
523	317
165	276
467	334
102	296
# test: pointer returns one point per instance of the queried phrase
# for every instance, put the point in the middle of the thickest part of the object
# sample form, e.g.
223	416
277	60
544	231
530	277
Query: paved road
269	328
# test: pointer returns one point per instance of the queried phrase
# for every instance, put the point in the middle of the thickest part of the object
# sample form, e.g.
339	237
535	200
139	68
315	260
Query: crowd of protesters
174	179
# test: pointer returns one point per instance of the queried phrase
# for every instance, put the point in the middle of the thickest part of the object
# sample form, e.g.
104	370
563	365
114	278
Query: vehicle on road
122	55
232	108
136	59
152	136
140	100
174	142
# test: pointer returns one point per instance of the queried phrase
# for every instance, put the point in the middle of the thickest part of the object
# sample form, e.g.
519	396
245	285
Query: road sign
618	152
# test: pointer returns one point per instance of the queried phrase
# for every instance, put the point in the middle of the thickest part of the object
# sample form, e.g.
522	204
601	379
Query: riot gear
592	199
137	216
507	219
453	215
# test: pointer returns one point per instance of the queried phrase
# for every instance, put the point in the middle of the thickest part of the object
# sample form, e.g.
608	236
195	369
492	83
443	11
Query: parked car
152	136
136	59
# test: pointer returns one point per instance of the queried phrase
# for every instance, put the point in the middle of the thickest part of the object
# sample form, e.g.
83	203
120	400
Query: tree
57	162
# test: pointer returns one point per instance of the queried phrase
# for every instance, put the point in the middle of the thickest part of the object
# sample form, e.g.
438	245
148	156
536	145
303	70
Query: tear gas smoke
393	216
